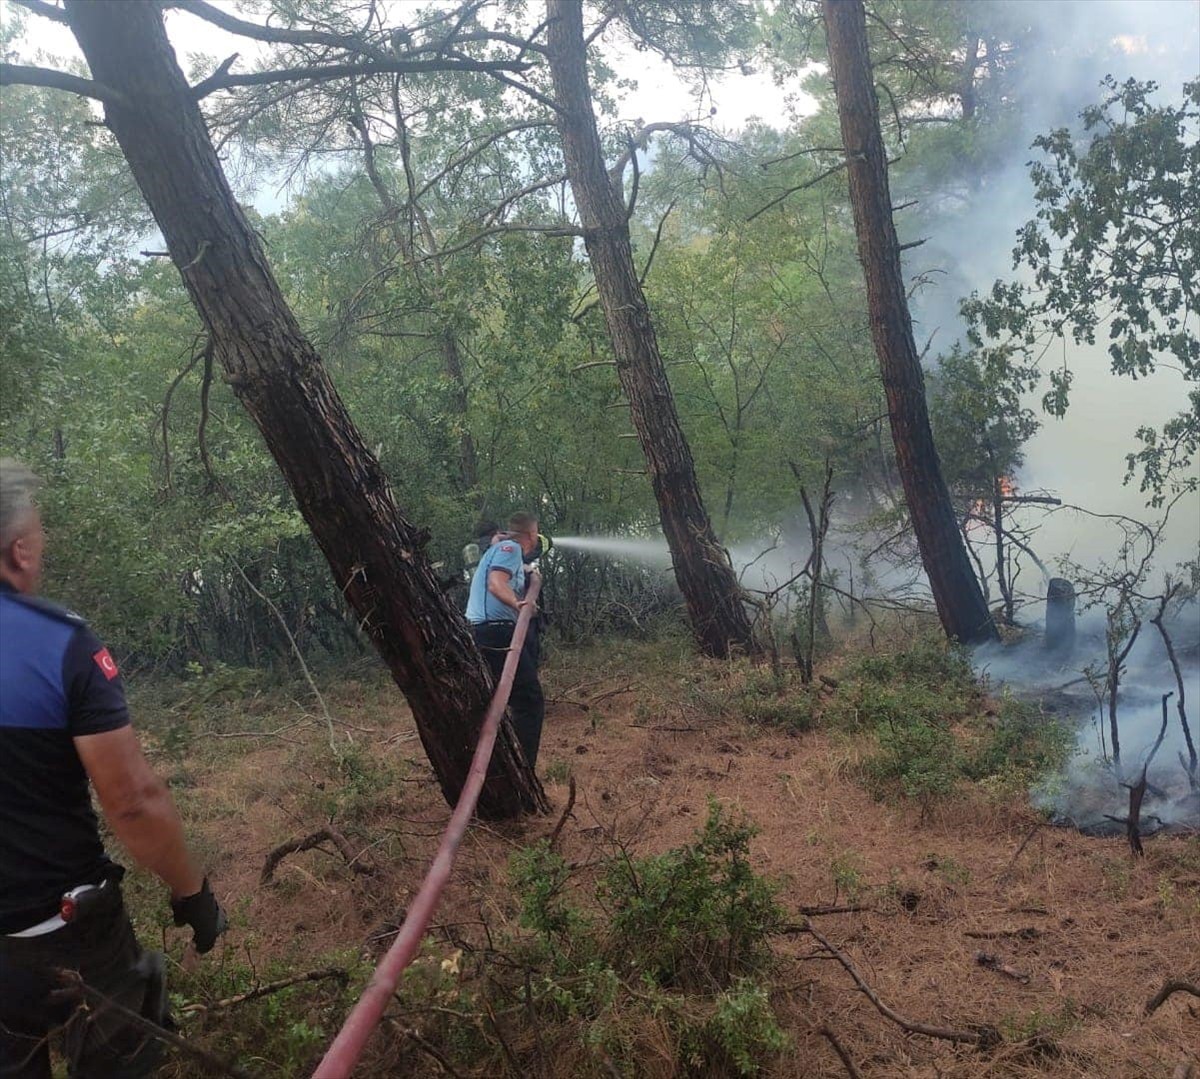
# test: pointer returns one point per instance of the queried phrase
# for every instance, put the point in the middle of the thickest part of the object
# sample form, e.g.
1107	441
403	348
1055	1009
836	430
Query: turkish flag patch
106	664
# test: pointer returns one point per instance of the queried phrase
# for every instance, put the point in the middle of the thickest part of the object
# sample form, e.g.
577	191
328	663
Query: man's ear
18	555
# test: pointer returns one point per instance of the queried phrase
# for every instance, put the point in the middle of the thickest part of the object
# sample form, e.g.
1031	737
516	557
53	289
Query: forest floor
650	735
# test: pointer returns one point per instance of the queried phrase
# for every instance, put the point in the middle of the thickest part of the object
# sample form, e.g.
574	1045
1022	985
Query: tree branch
982	1037
1170	988
799	187
47	11
223	80
24	75
279	35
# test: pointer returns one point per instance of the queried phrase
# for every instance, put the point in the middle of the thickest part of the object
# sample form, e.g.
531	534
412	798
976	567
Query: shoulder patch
107	665
508	548
51	610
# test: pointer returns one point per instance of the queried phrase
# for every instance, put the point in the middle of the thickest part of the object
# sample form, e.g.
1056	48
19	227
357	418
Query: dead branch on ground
843	1056
565	813
994	962
76	987
1027	932
271	987
1169	989
309	842
983	1037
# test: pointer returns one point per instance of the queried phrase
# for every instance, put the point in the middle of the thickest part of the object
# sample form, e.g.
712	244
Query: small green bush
665	946
694	917
1022	744
733	1040
920	760
930	661
767	701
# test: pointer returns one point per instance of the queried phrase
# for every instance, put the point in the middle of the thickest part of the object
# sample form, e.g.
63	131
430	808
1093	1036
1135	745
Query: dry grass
1100	932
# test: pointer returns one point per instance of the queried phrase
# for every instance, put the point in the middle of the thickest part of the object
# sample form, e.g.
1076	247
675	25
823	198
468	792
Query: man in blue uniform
63	723
497	595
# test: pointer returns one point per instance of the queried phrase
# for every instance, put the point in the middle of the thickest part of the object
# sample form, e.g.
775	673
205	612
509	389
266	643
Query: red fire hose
339	1061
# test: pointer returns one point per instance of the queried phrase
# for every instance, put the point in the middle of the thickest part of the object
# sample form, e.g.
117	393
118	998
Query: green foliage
767	701
918	759
846	869
1113	249
657	954
695	917
283	1031
931	733
930	662
1019	745
741	1031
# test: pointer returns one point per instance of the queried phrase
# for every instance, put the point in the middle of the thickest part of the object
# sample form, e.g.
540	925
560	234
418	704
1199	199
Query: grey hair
18	485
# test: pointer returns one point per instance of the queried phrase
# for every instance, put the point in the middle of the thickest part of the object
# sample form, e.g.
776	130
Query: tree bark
710	588
375	554
956	592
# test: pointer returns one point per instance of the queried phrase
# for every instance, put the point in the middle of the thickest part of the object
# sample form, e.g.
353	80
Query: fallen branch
1170	988
78	988
853	908
615	692
308	842
982	1036
669	730
565	813
583	706
1024	843
270	987
843	1056
428	1049
994	962
1025	933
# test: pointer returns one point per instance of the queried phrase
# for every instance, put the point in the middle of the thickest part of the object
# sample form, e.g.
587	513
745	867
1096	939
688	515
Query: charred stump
1060	617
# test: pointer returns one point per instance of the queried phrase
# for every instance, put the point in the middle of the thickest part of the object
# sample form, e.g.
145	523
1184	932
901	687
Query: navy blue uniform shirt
57	682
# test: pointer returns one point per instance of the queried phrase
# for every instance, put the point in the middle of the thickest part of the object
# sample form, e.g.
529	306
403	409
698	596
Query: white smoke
971	232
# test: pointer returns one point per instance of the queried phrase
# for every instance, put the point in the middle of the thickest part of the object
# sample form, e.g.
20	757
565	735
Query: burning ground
1092	791
964	911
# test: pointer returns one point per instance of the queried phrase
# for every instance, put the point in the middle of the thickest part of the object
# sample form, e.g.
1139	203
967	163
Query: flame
1007	486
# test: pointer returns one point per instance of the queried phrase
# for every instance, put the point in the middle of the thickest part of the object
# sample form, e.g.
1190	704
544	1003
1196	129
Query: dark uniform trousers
97	1044
526	704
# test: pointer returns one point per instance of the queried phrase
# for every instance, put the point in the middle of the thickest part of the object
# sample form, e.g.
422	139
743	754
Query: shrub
658	955
930	661
920	760
768	701
1022	744
694	917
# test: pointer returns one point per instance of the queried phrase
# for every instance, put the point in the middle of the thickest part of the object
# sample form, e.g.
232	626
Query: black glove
202	913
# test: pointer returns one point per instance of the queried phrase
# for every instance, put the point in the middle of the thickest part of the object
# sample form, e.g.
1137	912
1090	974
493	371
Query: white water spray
651	552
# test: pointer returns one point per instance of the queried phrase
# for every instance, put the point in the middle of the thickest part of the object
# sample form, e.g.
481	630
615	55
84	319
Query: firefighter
497	596
63	722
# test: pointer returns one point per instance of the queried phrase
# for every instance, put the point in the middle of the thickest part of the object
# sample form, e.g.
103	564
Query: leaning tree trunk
376	556
955	587
702	568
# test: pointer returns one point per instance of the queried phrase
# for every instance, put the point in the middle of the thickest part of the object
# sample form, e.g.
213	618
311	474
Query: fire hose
342	1056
